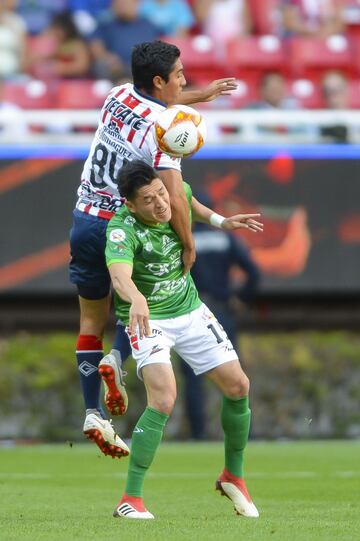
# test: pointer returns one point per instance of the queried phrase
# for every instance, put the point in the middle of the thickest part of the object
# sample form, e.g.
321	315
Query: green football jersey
154	251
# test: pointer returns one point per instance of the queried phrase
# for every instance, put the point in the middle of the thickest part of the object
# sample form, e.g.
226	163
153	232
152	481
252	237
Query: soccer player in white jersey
125	133
162	310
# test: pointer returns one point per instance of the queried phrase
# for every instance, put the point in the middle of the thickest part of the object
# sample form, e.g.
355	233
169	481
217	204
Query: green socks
235	421
146	438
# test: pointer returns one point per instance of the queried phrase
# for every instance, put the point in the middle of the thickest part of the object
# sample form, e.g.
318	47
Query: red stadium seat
32	94
82	94
309	96
306	92
310	57
200	59
352	18
246	92
356	59
266	16
354	89
256	55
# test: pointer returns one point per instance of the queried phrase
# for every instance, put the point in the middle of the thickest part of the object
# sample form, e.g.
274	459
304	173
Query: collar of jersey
149	98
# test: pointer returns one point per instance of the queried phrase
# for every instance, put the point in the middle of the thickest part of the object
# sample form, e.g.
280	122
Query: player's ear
158	82
130	206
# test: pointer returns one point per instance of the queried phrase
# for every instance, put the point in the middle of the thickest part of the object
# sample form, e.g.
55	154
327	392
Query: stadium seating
200	58
265	15
256	54
311	57
247	92
355	94
33	94
82	94
306	92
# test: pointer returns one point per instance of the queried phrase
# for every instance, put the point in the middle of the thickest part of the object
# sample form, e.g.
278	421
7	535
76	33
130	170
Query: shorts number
215	333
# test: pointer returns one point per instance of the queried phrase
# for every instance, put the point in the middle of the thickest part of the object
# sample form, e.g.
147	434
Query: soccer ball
180	131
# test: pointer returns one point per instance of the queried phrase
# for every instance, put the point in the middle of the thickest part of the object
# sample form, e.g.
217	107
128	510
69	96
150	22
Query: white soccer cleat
132	507
235	489
101	432
116	398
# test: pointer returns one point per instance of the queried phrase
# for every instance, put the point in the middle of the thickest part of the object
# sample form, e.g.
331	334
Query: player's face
172	89
152	203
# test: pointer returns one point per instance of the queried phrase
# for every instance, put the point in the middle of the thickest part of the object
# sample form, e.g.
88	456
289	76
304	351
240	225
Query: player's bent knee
164	404
238	388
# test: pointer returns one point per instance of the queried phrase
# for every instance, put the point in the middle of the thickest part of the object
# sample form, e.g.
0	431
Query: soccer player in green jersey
162	310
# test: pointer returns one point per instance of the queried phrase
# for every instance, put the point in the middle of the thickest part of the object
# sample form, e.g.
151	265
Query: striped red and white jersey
125	132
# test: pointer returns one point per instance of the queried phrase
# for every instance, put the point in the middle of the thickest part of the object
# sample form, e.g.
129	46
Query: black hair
65	22
133	176
153	58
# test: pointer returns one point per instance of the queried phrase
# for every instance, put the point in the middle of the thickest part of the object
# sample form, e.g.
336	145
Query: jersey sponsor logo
158	269
112	131
167	287
167	244
148	247
117	236
138	430
121	114
142	234
129	220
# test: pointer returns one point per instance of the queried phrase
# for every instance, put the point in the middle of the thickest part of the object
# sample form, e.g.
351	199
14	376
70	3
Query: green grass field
304	491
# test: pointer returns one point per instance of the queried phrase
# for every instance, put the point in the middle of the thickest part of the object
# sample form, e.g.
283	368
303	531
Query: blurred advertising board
308	197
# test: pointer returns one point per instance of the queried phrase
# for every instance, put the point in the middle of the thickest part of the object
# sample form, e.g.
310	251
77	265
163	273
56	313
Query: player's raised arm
180	220
201	213
218	87
126	289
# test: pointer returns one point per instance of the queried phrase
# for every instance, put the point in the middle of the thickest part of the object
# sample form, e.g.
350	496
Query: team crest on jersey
117	236
129	220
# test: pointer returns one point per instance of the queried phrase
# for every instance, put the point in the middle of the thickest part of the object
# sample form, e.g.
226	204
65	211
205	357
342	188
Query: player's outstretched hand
245	221
219	87
139	317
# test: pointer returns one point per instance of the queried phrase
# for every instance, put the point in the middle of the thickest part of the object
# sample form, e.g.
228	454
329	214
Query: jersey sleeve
160	160
120	242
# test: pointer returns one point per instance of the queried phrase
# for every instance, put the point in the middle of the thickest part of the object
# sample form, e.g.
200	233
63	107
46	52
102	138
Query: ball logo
182	138
117	236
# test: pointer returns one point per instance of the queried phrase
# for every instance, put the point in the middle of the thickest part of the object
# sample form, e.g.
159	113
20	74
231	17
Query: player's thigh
87	269
160	384
230	379
94	315
204	345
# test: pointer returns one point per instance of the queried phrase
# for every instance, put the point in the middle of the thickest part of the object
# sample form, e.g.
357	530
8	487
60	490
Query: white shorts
197	337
